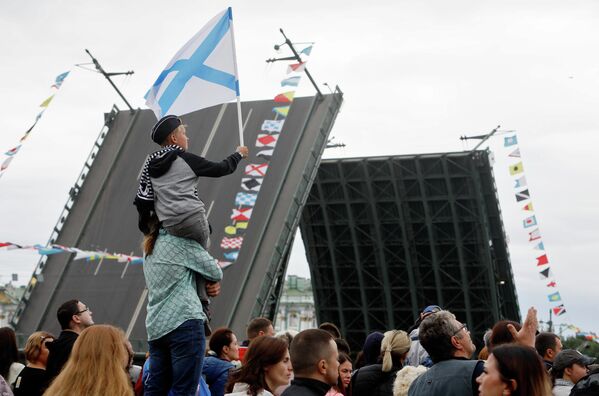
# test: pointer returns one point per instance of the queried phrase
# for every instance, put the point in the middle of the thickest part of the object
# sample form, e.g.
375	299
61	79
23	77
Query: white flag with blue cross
202	74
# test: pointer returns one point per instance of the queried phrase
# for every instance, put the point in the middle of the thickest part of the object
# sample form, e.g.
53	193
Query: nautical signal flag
516	168
306	50
266	154
522	195
272	125
520	182
534	235
251	184
546	273
510	141
59	80
241	214
46	102
256	169
551	284
232	256
281	110
285	97
528	207
539	246
245	199
240	225
542	260
266	140
296	67
554	297
559	310
291	81
529	221
13	151
231	243
515	153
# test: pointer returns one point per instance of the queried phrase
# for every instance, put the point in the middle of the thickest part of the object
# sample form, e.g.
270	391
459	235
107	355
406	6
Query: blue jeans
176	361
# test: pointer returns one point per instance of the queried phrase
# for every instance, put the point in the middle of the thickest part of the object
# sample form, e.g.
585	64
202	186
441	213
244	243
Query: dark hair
152	224
219	339
331	328
9	352
263	352
65	313
257	325
435	334
308	348
523	365
342	346
544	341
501	335
343	357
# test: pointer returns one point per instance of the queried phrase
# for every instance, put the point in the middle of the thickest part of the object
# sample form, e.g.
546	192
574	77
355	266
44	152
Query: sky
416	76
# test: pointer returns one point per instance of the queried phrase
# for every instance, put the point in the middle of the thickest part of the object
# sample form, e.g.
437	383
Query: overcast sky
416	76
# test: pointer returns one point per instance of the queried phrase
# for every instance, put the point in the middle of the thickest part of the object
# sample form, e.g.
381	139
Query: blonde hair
404	379
394	342
96	366
33	347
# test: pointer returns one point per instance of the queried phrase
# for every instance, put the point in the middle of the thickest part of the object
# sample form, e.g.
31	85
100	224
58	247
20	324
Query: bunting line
256	172
9	154
530	222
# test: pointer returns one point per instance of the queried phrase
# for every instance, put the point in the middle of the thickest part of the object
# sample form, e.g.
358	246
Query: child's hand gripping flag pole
202	74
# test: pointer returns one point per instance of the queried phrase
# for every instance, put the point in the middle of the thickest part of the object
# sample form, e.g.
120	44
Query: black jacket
60	350
306	387
372	381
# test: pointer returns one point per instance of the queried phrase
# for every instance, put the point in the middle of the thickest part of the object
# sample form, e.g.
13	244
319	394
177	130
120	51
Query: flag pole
239	118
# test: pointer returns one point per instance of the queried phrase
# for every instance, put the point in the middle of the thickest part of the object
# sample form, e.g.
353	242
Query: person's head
342	346
9	352
570	365
514	369
500	334
548	345
36	349
331	328
267	366
404	379
224	343
97	365
431	309
372	348
74	315
345	369
314	355
394	348
259	327
287	335
170	130
444	337
483	354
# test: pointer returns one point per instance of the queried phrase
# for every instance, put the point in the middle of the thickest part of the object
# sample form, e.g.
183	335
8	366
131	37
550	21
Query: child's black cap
164	127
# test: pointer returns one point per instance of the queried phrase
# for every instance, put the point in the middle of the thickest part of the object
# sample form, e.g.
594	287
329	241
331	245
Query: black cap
568	357
164	127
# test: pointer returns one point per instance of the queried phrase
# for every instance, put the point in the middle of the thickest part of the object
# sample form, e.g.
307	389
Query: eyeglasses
80	312
465	327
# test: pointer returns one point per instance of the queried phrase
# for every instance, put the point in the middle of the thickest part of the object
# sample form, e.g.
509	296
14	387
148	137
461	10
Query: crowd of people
187	357
439	358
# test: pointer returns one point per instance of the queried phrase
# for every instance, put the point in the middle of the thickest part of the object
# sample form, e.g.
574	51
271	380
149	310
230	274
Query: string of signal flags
10	154
531	223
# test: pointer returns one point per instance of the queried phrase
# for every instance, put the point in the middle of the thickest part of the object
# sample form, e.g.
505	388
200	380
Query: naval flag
202	74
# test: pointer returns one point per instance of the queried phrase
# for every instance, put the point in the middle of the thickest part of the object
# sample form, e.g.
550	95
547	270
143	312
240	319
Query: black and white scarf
145	191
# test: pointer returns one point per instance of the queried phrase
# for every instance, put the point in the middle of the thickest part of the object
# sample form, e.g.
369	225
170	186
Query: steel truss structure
387	236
